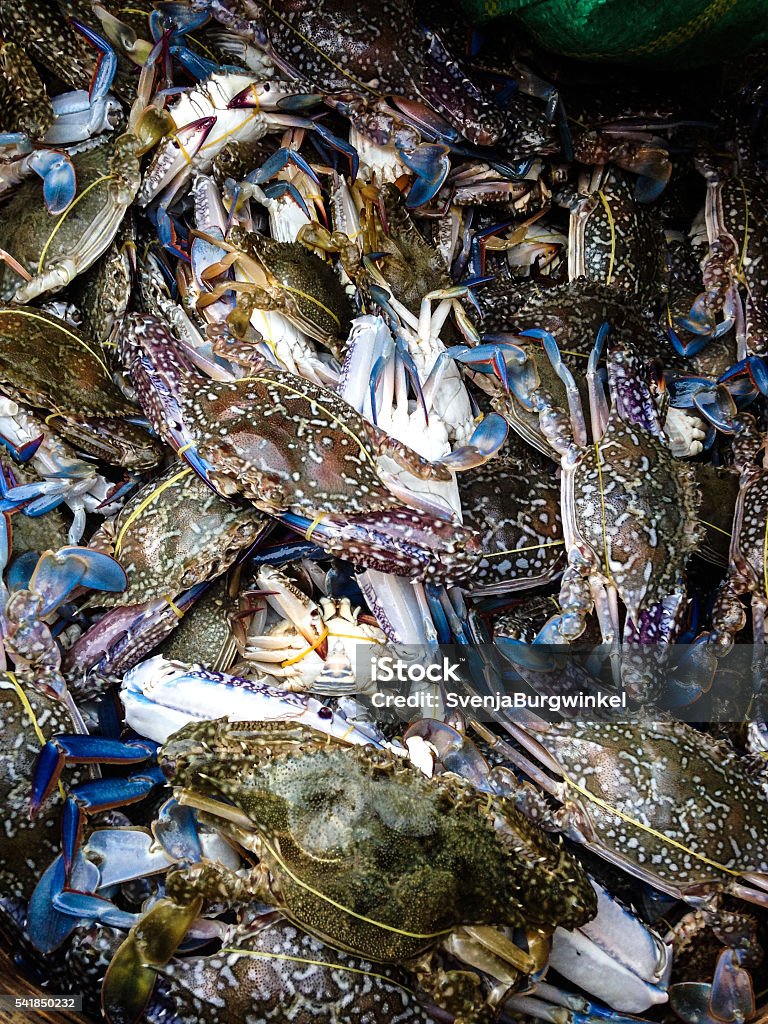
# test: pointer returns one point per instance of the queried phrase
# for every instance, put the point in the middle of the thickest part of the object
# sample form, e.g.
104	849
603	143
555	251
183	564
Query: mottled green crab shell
371	856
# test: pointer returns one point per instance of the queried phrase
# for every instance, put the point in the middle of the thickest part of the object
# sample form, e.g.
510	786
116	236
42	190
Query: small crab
48	364
323	817
313	646
301	453
172	534
282	276
48	252
629	506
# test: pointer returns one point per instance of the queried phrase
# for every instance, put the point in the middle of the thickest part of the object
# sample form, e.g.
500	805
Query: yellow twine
174	607
346	910
647	828
334	419
65	214
146	503
312	647
30	711
58	327
313	525
317	963
612	226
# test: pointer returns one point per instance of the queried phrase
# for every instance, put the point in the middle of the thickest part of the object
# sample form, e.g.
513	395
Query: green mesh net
663	31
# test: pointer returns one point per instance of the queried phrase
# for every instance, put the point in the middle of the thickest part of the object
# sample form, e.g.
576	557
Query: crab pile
325	337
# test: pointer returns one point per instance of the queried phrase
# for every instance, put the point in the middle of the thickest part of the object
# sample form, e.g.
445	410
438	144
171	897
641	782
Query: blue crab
313	646
736	217
450	842
49	365
629	506
49	252
171	537
339	49
299	452
702	833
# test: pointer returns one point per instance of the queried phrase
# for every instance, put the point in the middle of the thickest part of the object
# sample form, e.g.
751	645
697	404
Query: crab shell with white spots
630	507
513	503
278	973
289	445
26	846
173	533
687	816
613	239
340	46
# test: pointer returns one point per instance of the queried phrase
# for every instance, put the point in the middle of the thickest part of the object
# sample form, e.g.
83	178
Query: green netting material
671	31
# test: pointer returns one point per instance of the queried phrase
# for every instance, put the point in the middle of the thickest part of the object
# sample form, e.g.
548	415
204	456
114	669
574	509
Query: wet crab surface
329	336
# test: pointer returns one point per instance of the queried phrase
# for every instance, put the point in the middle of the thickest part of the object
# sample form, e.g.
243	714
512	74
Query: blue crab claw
176	829
168	234
693	674
78	749
430	163
123	36
106	67
654	169
201	466
131	975
452	749
427	120
37	498
282	188
26	451
485	442
198	66
699	320
338	145
189	139
181	19
87	906
58	573
717	406
59	180
754	368
729	998
528	657
20	571
485	358
274	164
687	348
101	795
48	928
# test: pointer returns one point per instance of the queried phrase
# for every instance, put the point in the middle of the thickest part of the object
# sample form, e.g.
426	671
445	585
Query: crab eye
325	713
